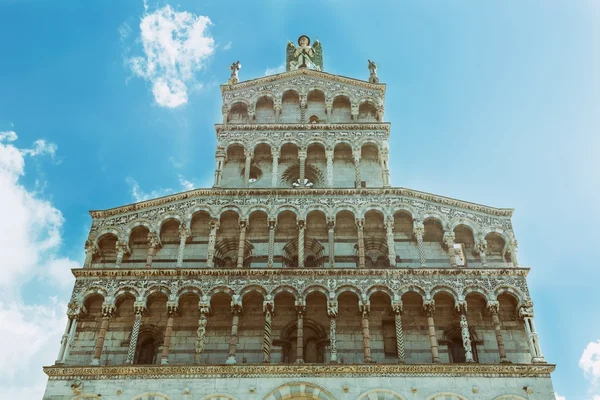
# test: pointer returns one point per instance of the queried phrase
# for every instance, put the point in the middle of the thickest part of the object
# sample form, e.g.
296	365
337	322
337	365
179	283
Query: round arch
380	394
151	396
301	390
219	396
447	396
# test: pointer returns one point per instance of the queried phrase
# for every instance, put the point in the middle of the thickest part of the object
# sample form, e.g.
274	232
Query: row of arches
287	241
295	107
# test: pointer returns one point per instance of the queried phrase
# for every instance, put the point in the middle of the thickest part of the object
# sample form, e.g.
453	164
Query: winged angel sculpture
304	55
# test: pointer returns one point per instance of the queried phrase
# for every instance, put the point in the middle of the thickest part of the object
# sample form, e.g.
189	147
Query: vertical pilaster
184	234
300	310
107	312
267	344
429	307
153	242
302	159
138	308
360	224
171	312
461	308
248	155
332	313
356	158
365	310
204	308
449	242
236	309
389	230
385	170
397	309
493	308
526	313
301	228
331	240
275	169
271	249
419	232
242	243
220	159
329	156
212	240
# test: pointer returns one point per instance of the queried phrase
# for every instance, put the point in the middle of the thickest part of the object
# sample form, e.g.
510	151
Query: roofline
505	212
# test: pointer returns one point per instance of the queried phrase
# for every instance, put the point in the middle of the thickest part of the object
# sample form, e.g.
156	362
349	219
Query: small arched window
456	350
149	340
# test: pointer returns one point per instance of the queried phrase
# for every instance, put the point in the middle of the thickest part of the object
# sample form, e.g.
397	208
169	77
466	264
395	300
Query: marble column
328	108
329	156
68	336
236	309
356	158
389	230
204	308
397	309
153	242
331	240
242	243
526	313
449	242
360	224
107	312
300	310
461	308
302	159
74	319
419	232
220	158
514	258
121	248
332	313
275	169
90	250
212	240
277	108
248	165
267	344
139	308
303	104
271	248
365	310
429	307
184	234
385	170
301	228
171	311
494	308
482	249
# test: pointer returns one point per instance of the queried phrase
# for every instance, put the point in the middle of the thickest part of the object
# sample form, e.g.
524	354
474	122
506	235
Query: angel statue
373	78
235	67
305	55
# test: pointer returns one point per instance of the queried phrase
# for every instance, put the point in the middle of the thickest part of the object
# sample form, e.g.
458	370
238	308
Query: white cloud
140	195
590	364
276	70
176	45
227	46
559	397
30	236
185	184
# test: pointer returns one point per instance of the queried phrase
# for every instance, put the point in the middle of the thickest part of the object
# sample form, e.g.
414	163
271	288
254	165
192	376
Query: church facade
301	274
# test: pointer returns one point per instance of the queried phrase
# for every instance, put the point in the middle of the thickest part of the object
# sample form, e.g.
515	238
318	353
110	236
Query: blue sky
491	102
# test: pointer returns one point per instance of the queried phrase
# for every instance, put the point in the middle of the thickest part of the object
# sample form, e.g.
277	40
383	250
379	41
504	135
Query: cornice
313	273
294	193
309	72
381	126
298	370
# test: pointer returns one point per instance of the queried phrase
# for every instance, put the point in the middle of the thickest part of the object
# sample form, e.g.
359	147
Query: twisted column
301	227
356	158
242	243
389	230
275	174
449	241
526	313
419	232
184	234
107	312
429	307
139	308
360	224
248	155
153	242
212	240
365	310
302	158
204	308
271	249
461	307
329	156
236	309
267	344
171	311
303	104
397	309
493	308
332	313
331	240
300	310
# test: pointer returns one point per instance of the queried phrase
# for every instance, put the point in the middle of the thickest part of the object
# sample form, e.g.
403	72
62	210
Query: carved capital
269	305
184	232
243	224
493	307
330	223
204	305
108	310
449	238
332	308
429	307
397	306
461	307
172	308
364	306
75	310
302	154
139	307
360	223
301	224
272	223
300	305
153	239
526	311
418	228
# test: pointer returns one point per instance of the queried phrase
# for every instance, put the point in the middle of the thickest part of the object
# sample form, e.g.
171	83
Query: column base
435	361
231	360
164	361
95	361
538	360
299	361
